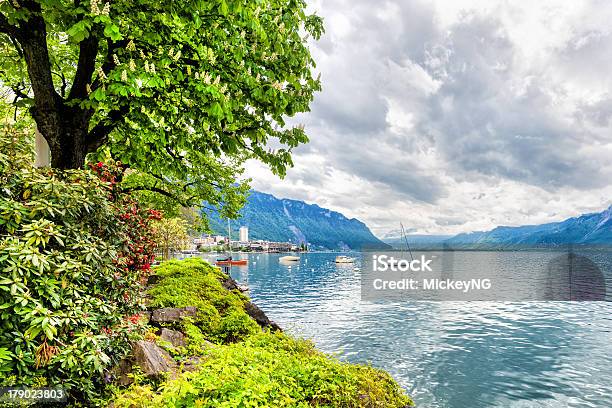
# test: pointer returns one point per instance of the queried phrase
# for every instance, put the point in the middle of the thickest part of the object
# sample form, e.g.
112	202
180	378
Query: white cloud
454	116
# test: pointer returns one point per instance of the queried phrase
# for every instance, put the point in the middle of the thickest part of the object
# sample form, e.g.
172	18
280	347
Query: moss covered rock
249	367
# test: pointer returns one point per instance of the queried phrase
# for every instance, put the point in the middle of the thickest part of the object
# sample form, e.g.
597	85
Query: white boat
289	258
344	259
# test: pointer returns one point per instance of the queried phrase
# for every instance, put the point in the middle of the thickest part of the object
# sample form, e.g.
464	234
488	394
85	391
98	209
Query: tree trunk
64	127
65	130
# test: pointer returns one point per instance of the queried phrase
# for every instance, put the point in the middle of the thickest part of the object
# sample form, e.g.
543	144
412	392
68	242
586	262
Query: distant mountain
594	228
273	219
415	240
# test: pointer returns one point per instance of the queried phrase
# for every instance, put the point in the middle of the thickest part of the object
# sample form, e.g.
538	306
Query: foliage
254	368
184	91
194	282
69	283
271	370
138	221
170	233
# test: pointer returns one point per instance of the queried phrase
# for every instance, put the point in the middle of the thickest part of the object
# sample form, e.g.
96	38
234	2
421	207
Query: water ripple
446	354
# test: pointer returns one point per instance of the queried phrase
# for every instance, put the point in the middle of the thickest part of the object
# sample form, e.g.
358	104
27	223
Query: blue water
445	354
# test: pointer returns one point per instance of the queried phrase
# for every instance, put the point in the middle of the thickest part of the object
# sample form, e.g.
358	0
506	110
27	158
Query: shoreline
185	346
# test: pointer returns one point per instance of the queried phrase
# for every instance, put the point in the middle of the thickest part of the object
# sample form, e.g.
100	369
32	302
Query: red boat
221	262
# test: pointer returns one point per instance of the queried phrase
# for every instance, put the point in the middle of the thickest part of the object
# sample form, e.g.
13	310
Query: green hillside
273	219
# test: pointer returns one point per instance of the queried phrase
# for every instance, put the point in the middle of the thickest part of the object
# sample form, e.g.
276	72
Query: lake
445	354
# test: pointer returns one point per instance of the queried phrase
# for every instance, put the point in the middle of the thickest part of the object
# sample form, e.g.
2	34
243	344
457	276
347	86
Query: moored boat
344	259
229	261
289	258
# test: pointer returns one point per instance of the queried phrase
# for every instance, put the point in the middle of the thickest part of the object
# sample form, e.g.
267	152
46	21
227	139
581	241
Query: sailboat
228	261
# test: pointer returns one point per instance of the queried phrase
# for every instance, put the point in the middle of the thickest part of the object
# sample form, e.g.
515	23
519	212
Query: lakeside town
217	243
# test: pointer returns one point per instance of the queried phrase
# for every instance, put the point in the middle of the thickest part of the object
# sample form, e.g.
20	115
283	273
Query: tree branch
159	191
19	93
64	84
108	63
88	50
7	28
99	134
32	36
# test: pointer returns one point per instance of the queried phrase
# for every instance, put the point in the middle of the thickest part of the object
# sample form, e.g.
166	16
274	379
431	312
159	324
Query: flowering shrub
138	252
73	253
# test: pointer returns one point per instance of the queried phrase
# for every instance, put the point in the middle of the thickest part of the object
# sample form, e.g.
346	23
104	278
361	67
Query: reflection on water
447	354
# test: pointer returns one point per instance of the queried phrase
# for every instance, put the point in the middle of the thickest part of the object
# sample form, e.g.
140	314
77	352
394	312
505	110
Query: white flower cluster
149	68
96	10
210	55
101	73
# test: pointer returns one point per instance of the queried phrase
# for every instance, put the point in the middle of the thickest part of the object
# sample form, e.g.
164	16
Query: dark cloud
504	109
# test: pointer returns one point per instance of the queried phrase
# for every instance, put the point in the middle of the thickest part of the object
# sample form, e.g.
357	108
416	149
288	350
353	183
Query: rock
229	283
121	370
146	316
153	279
260	317
252	310
173	314
192	363
176	338
152	359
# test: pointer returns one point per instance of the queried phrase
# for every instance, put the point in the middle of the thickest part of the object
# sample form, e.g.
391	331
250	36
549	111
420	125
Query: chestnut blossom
101	73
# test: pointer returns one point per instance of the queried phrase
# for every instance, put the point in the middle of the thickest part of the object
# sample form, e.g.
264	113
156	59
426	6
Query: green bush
271	370
67	282
248	367
194	282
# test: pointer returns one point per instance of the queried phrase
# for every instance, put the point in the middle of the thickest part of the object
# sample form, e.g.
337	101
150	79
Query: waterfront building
244	234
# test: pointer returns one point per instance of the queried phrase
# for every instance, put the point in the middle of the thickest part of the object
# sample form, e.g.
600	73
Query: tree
182	91
170	234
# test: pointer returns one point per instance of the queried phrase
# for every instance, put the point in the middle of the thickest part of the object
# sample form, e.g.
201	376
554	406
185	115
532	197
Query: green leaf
112	31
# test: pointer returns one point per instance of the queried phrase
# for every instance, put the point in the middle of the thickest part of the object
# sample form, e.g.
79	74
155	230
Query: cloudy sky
457	115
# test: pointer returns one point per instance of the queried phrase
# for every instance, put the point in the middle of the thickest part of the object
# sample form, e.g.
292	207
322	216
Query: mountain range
594	228
274	219
416	240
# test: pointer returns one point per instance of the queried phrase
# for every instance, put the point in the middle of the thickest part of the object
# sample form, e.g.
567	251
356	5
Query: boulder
260	317
173	314
152	359
121	370
229	283
176	338
153	279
